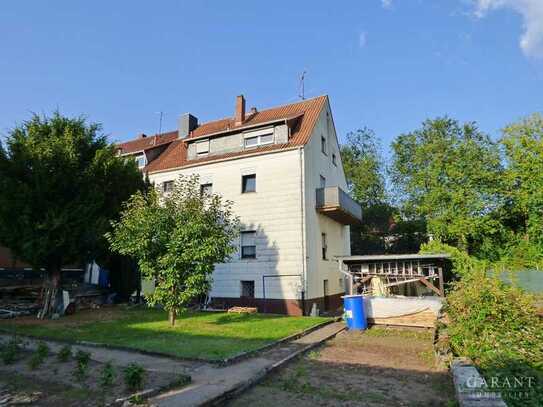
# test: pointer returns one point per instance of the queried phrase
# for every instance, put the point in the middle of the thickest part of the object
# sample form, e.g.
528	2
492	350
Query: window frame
245	178
334	159
243	256
204	186
324	245
248	282
164	189
324	145
204	143
258	135
137	158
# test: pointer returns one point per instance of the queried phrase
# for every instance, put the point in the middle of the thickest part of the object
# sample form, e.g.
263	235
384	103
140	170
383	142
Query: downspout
302	228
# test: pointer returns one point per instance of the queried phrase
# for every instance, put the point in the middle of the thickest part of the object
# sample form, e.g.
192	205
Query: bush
82	365
39	356
65	353
10	351
134	376
107	376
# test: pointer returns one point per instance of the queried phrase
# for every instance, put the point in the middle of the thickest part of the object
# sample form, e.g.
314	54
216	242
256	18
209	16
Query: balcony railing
336	204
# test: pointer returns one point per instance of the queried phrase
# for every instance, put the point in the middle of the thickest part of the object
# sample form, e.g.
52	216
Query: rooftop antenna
302	86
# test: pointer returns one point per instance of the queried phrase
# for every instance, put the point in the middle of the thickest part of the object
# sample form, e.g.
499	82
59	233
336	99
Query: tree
450	174
61	185
364	169
177	239
523	145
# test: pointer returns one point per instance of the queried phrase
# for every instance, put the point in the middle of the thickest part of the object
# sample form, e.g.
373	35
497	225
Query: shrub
82	359
107	376
38	357
134	376
10	350
65	353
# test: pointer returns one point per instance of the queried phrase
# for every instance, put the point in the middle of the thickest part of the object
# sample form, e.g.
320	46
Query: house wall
274	211
338	235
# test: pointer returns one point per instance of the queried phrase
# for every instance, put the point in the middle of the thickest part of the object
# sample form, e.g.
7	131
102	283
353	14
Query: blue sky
386	64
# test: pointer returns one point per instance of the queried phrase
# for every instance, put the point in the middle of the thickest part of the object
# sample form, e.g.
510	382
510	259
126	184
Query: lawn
202	335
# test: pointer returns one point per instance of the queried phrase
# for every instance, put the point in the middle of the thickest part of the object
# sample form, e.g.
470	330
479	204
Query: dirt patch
57	383
381	367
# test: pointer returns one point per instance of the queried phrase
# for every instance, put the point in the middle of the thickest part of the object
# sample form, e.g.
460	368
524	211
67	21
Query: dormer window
202	147
258	138
140	160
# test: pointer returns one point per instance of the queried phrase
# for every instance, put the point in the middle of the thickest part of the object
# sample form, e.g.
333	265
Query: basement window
247	289
248	244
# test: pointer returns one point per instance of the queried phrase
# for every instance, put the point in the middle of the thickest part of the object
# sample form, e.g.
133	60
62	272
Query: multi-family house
282	169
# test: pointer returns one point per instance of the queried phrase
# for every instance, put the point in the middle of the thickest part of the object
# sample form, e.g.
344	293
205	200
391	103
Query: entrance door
326	304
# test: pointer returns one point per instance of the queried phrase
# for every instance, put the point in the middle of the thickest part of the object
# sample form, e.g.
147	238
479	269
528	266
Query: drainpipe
302	228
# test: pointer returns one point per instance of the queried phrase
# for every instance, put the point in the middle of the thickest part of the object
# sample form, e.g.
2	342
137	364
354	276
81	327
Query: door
326	304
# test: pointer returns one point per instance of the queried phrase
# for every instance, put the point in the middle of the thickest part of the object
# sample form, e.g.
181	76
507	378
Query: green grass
202	335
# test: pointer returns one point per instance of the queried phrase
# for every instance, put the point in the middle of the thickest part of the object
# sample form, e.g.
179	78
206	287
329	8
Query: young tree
177	239
61	185
450	174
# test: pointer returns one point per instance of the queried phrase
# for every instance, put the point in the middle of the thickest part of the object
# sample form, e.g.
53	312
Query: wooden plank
432	287
423	319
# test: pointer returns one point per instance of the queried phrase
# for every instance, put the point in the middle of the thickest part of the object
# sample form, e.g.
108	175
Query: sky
386	64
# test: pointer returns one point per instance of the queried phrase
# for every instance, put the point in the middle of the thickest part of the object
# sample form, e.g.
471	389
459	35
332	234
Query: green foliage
523	146
82	359
107	375
450	175
38	357
11	350
363	166
64	183
494	324
177	239
134	376
65	353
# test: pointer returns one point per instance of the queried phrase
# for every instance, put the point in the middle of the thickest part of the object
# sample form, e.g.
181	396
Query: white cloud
386	4
362	39
531	41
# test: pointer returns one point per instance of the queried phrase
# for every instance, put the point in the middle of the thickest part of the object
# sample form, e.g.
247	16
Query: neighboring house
282	169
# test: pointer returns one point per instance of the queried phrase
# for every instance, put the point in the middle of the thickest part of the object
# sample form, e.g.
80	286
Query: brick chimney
240	110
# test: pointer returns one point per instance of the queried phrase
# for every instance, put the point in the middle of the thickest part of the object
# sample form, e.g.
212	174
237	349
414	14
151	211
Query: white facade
289	262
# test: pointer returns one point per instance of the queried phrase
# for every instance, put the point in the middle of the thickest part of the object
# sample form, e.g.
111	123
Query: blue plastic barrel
354	314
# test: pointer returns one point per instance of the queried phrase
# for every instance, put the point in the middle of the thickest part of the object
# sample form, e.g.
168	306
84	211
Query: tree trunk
172	317
51	293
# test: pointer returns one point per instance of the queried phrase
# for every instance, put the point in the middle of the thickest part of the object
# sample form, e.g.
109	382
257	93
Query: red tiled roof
305	112
146	143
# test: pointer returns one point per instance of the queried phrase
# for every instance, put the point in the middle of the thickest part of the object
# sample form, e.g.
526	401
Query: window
248	245
323	145
323	182
334	160
206	189
167	186
258	138
247	289
140	160
324	246
248	183
202	147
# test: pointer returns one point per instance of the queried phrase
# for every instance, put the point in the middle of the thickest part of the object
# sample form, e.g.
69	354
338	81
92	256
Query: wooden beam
432	287
441	282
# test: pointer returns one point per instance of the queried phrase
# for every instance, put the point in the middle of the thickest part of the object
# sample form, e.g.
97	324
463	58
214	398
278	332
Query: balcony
336	204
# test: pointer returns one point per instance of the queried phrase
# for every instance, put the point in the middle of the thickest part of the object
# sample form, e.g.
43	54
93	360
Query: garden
37	375
212	336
